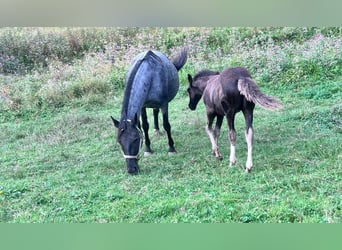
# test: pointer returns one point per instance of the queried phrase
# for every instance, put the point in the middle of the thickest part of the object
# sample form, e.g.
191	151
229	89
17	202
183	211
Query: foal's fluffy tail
252	93
180	60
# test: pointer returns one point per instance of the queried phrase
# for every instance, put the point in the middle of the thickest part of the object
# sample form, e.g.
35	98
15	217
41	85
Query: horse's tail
181	59
252	93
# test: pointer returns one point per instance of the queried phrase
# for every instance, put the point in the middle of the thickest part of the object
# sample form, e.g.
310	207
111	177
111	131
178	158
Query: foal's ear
115	122
190	79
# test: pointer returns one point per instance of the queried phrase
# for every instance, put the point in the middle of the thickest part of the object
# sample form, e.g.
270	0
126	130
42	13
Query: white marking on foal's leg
232	158
232	138
216	136
214	147
249	140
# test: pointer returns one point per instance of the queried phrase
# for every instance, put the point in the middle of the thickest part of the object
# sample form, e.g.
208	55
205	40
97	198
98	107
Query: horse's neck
203	85
209	81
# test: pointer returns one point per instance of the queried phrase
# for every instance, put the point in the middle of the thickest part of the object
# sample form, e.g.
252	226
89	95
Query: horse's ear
190	79
115	122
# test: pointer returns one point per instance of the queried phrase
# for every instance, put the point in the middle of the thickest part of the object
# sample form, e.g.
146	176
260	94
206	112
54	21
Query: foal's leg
156	123
217	130
248	113
167	128
145	126
213	135
232	137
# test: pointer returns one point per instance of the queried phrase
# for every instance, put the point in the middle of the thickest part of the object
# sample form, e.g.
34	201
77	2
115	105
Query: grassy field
59	160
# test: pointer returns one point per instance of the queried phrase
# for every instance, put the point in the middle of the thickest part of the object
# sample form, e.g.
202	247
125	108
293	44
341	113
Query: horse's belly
152	104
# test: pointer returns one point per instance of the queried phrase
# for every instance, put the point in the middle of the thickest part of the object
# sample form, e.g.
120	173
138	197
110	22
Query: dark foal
224	95
152	82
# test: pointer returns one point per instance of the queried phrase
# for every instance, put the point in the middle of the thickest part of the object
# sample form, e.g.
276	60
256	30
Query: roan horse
152	82
225	94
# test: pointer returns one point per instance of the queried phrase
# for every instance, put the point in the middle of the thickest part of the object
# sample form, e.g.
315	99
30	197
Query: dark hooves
172	151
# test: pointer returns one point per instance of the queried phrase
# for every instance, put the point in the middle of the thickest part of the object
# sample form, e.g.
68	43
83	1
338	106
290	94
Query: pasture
59	161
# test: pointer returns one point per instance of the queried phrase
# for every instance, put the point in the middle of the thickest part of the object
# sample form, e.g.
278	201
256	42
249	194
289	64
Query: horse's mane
131	77
205	72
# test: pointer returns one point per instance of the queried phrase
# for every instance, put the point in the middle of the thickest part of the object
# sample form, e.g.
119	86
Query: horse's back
164	78
229	81
230	77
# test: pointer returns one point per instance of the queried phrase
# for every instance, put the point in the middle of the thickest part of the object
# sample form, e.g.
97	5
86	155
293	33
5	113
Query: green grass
59	161
66	167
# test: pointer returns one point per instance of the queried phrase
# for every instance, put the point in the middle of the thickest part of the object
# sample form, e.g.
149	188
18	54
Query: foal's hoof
217	155
248	170
220	158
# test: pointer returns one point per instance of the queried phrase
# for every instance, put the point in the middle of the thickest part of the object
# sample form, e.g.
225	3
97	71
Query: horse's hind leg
167	127
232	138
248	113
217	130
213	135
156	123
145	126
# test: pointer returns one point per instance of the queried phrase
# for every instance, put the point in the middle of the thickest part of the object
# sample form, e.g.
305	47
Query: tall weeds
54	67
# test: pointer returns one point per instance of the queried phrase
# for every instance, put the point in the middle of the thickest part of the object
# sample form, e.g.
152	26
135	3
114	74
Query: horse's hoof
147	153
220	158
171	152
231	163
248	170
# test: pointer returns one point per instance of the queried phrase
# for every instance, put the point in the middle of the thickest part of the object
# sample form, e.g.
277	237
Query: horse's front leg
167	127
213	135
145	126
217	131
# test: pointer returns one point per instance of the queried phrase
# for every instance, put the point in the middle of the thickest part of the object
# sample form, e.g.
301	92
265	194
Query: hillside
60	161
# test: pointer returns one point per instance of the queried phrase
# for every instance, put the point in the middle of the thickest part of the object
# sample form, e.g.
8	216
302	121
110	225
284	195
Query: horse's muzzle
132	166
192	107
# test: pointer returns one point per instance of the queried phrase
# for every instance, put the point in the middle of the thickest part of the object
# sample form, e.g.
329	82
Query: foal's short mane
205	72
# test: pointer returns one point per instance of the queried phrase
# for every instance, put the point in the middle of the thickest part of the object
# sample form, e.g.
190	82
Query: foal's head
197	86
130	139
195	93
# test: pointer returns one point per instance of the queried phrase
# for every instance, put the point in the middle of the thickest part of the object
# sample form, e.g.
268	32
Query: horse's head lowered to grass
130	139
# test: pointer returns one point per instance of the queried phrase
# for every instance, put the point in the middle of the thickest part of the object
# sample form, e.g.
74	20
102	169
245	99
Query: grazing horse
152	82
224	94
